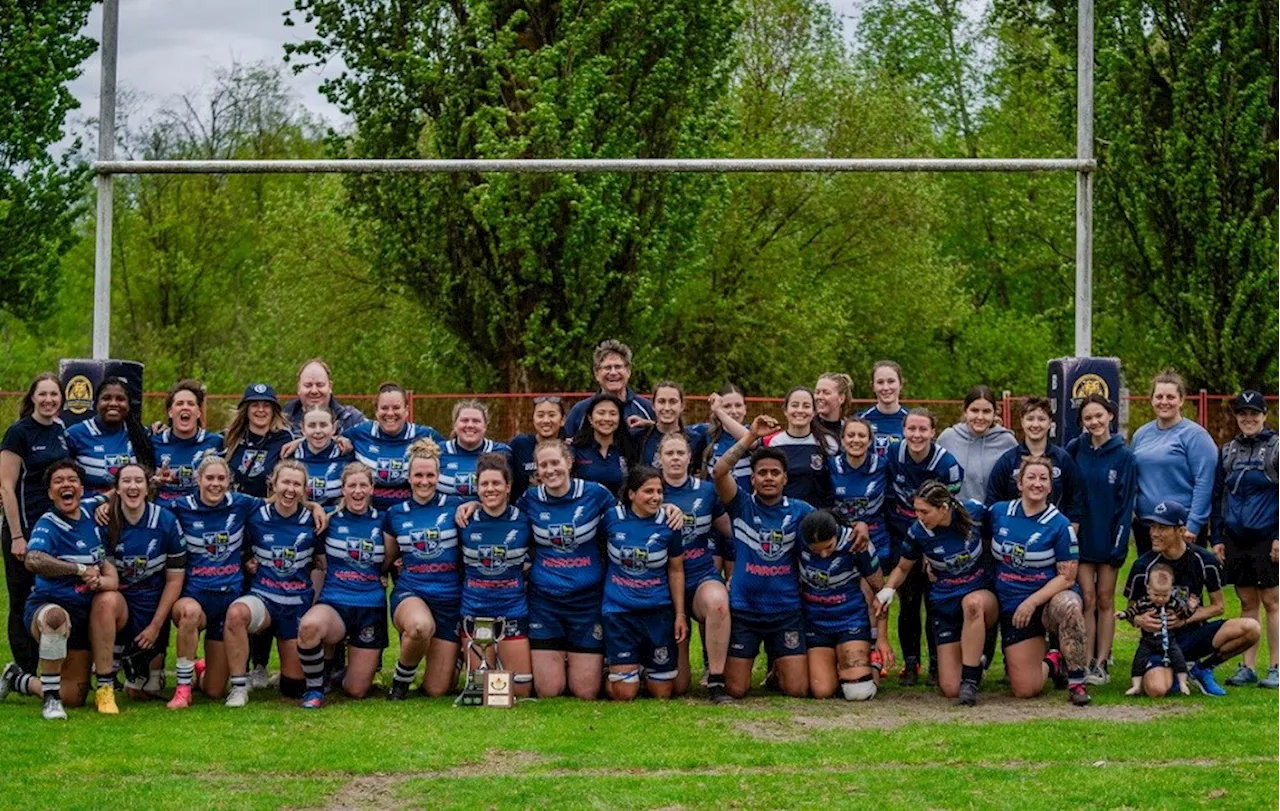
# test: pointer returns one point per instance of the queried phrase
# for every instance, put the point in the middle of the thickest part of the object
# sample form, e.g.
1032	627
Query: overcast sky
171	47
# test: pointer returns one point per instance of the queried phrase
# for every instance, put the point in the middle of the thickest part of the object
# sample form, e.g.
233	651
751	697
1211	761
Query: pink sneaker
181	698
200	668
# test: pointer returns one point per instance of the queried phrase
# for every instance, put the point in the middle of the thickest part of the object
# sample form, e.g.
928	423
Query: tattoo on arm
47	565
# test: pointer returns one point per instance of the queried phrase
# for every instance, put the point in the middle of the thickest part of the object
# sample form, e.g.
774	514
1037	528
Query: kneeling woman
1036	562
644	617
353	600
282	537
837	623
947	533
426	599
145	543
495	548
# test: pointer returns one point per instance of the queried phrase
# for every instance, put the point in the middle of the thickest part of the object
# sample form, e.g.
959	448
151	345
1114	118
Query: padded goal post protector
81	379
1073	379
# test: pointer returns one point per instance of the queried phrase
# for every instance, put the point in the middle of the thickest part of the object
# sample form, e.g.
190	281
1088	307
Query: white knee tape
258	616
858	690
522	678
53	644
628	678
661	675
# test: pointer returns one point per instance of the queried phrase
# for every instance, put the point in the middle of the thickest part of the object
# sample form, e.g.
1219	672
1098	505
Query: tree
527	271
41	49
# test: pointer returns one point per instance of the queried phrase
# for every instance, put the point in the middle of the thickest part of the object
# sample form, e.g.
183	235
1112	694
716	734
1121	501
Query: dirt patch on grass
903	709
374	791
379	790
496	761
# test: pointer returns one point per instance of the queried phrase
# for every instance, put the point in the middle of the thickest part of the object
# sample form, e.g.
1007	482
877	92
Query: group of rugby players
599	538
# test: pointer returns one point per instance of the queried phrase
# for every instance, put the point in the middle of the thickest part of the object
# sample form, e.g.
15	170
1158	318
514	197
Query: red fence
512	413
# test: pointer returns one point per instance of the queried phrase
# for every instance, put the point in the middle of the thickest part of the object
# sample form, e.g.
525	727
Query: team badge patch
597	632
772	544
791	640
493	559
661	655
282	558
816	461
561	536
217	545
366	634
635	560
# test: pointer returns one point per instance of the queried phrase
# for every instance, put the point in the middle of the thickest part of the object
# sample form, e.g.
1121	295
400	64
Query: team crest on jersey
465	483
390	469
135	568
635	560
561	536
791	640
282	558
661	655
426	542
115	461
253	463
772	544
1017	554
493	559
317	485
217	545
360	550
818	578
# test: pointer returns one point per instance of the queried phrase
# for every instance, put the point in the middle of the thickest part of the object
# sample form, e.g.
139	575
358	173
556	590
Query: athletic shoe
1243	675
334	681
1272	680
312	700
932	679
878	663
52	709
909	676
238	697
968	694
399	691
1203	678
8	677
181	698
1077	695
1057	668
717	695
200	668
1097	676
258	678
104	698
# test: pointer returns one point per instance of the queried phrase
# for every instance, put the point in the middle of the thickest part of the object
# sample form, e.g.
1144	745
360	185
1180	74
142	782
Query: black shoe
399	691
968	694
910	675
932	679
717	694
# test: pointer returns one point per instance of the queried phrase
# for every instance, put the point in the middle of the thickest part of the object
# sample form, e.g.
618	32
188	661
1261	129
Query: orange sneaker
181	698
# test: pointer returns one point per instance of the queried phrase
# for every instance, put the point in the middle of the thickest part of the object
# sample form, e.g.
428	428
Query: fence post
410	399
1006	409
1204	408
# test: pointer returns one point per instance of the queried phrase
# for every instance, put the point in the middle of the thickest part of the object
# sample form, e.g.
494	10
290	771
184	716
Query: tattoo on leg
1063	616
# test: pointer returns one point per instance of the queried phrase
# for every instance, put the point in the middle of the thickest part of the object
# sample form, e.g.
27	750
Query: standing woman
1109	478
833	395
668	405
458	456
978	442
422	538
1068	491
322	455
109	440
282	540
180	448
1036	561
603	448
382	444
887	416
548	423
859	481
255	438
728	410
495	549
31	445
962	600
643	608
806	445
353	600
145	543
912	462
1245	528
836	619
1177	460
705	595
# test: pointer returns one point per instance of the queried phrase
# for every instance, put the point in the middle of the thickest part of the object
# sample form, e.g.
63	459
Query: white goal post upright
1083	165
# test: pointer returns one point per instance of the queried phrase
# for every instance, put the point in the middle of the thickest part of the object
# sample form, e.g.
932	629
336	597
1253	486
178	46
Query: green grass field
906	749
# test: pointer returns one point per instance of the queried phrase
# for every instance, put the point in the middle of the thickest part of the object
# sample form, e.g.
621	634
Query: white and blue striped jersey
283	548
146	549
765	582
566	552
458	467
214	537
1028	549
101	452
639	550
427	538
354	553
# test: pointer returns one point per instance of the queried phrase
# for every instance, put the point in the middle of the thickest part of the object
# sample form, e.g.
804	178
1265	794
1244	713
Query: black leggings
912	599
20	582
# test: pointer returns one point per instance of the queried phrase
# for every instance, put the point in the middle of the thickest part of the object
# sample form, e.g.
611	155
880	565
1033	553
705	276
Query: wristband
81	569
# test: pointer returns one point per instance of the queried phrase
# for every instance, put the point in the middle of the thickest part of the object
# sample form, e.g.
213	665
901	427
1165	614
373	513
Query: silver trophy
485	686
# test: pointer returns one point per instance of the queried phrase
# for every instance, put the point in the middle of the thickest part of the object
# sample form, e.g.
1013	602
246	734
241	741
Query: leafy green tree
41	50
527	271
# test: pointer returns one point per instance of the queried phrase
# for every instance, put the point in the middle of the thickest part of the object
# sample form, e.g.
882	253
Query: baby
1158	648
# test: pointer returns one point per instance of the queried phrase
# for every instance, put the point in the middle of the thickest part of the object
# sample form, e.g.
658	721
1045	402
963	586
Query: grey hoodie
976	454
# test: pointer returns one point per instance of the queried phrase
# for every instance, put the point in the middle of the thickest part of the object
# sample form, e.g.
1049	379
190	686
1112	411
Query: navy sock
971	673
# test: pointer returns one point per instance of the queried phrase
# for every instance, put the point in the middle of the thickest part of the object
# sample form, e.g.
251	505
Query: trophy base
471	696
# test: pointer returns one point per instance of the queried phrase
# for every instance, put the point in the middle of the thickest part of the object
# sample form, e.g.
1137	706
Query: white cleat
258	679
238	698
52	710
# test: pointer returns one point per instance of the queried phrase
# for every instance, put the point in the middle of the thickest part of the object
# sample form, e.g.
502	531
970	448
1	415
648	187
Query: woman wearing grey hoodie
977	442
